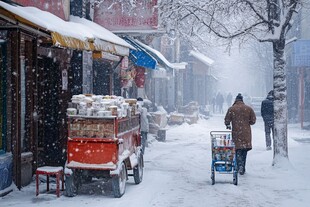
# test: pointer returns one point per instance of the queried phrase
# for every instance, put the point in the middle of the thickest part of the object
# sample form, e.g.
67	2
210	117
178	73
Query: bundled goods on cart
102	106
223	155
223	148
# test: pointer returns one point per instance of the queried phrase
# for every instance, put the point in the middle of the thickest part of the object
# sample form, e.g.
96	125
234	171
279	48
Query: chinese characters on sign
60	8
127	15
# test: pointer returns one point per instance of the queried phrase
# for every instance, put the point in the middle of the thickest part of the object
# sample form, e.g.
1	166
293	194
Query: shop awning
161	58
104	40
63	34
201	57
140	56
81	35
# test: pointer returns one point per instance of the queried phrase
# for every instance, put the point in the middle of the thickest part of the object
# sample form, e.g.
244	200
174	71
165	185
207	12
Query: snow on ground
177	174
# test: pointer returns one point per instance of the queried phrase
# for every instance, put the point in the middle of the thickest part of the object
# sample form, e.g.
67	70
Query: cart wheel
87	179
138	170
69	185
72	183
213	177
77	179
119	182
235	178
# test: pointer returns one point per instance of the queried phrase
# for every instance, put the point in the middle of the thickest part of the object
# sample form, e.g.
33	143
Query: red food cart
103	147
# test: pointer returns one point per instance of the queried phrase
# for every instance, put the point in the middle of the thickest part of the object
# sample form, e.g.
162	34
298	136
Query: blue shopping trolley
223	155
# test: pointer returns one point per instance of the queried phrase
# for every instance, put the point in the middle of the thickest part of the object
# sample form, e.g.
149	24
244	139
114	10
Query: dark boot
239	159
268	141
243	155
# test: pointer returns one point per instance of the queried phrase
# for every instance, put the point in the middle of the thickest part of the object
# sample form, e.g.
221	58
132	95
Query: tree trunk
280	103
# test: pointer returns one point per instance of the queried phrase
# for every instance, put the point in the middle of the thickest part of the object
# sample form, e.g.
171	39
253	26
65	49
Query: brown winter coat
242	117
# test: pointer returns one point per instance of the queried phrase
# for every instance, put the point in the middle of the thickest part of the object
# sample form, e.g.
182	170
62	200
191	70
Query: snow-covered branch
290	40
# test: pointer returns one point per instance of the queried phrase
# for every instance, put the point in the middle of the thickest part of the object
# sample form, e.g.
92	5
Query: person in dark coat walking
241	117
268	117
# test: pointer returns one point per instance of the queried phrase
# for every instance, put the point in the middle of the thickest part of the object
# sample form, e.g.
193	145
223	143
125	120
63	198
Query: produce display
101	106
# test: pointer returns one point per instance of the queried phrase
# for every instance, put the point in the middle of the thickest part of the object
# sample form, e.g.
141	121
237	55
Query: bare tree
263	61
229	20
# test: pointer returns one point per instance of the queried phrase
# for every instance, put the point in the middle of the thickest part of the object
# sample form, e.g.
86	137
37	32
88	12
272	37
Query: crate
161	135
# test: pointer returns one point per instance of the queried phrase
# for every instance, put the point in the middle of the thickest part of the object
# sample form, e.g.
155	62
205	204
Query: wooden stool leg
57	183
62	181
37	184
59	175
47	182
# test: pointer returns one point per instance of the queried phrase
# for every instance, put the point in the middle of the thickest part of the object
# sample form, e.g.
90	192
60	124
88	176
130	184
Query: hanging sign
127	15
140	77
60	8
64	75
124	62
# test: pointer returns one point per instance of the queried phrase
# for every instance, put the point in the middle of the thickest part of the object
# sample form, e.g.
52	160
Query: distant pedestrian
229	99
268	117
219	102
144	127
213	104
241	117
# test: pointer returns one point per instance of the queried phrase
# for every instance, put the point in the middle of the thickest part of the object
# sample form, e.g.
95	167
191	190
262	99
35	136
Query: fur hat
270	93
239	97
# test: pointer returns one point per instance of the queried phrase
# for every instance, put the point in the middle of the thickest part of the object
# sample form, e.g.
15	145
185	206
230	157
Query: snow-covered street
177	174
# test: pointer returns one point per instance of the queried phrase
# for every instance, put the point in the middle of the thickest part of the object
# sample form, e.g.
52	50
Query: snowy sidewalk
177	174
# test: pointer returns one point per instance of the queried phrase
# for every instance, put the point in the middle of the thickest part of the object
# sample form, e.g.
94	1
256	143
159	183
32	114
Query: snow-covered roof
180	66
48	21
83	30
100	32
160	56
206	60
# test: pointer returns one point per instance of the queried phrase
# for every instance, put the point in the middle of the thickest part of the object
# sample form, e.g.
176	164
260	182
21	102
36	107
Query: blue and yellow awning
139	56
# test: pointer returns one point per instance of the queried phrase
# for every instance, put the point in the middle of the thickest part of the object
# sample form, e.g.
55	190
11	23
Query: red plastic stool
48	170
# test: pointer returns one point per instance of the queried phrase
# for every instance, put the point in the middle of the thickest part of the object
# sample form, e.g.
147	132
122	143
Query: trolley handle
220	132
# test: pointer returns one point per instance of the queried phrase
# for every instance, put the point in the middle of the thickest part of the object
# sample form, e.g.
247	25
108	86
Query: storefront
133	78
37	48
200	79
154	74
298	79
6	158
33	70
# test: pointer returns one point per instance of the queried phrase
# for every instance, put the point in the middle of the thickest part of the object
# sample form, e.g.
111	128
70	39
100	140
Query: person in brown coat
241	117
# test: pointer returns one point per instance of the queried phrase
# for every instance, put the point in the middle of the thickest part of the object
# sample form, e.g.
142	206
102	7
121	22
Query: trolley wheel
119	182
212	177
235	178
138	170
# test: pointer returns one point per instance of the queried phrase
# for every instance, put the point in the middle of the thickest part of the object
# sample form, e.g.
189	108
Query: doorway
50	120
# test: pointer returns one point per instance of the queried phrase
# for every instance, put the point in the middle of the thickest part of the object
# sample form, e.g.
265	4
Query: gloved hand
228	127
